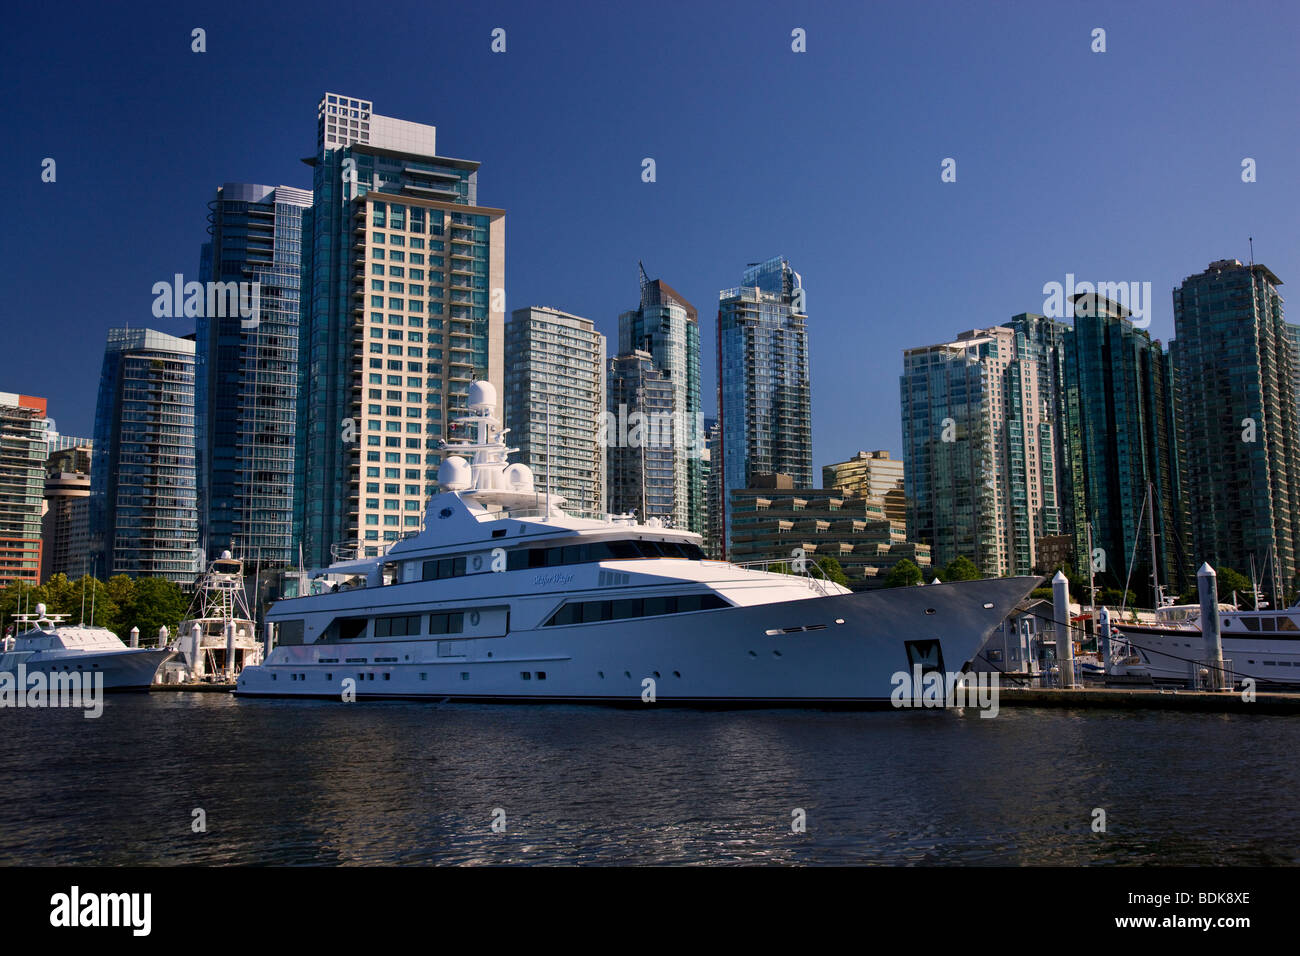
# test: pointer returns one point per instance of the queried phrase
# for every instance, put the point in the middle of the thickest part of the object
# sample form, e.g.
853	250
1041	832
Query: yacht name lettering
543	580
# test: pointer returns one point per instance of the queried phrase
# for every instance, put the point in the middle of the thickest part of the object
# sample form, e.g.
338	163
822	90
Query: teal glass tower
1236	384
403	306
667	327
1122	439
143	495
764	404
246	375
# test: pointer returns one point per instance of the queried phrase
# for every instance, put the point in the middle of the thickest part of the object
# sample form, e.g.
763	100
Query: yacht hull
839	650
132	669
1168	654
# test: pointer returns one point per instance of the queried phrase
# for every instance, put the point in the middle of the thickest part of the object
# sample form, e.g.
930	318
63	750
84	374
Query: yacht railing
766	564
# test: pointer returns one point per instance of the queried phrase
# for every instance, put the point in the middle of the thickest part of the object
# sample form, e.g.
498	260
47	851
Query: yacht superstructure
503	596
227	635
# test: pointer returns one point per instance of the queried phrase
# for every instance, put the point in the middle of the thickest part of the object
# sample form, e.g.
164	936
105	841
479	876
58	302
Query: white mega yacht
504	597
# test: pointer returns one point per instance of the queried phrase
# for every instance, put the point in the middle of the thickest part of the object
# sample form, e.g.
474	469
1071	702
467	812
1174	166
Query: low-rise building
777	522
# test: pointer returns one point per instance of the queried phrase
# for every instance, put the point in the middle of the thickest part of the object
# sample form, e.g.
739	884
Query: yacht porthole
601	674
627	673
752	654
988	605
776	653
677	674
929	610
656	673
474	618
839	620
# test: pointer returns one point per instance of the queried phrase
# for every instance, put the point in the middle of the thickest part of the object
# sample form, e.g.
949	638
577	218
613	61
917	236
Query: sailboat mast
1092	589
1156	590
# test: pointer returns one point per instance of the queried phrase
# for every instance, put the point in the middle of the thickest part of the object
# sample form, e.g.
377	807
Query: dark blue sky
1115	166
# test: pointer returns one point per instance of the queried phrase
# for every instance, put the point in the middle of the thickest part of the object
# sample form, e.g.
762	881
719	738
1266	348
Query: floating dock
196	688
1153	698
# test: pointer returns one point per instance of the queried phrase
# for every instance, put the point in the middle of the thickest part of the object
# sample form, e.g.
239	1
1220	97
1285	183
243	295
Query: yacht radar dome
482	396
454	474
519	477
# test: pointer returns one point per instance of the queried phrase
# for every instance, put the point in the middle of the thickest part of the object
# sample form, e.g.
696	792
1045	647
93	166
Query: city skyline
1090	212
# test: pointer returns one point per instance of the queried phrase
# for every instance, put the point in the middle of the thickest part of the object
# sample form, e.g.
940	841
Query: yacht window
351	628
1252	623
1286	624
566	615
630	607
438	568
660	605
587	612
522	558
600	551
449	623
397	626
1266	624
593	611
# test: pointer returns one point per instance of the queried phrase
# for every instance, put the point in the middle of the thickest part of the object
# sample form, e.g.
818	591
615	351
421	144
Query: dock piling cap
1060	576
1206	570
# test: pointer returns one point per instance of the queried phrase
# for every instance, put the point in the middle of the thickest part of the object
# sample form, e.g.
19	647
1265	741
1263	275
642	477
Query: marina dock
1129	698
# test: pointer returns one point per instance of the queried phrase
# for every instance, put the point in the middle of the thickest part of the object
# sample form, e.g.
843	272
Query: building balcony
444	193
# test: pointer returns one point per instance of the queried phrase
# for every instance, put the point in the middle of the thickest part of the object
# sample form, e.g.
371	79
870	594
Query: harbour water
304	782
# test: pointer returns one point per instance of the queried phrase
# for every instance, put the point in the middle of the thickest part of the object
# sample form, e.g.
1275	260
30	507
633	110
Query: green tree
1114	597
960	568
903	574
831	569
156	602
97	609
1229	581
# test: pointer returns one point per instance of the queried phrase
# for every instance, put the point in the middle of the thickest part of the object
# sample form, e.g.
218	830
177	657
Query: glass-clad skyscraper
642	469
667	327
143	496
764	406
978	449
1236	385
246	375
555	403
1121	433
402	308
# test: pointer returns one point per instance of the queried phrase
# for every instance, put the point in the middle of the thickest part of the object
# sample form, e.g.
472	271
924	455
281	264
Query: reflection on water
292	782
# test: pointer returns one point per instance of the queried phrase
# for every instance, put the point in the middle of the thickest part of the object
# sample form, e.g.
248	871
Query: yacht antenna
83	590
